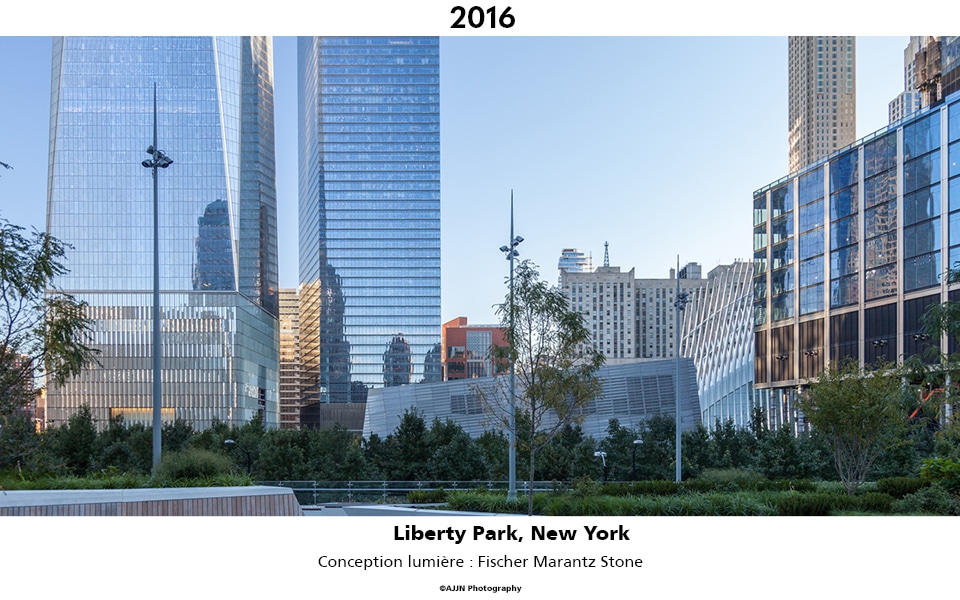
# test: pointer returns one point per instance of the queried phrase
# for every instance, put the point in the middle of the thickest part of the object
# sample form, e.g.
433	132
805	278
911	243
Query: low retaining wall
205	502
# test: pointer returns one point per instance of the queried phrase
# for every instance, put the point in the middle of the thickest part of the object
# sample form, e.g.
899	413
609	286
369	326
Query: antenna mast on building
606	254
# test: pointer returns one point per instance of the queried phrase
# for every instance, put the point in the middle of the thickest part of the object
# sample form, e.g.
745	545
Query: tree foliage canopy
554	360
43	331
860	413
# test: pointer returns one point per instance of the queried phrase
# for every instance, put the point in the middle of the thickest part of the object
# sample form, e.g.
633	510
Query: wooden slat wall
279	505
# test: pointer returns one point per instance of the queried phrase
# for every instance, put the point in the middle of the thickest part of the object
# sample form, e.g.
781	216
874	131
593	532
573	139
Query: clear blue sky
654	144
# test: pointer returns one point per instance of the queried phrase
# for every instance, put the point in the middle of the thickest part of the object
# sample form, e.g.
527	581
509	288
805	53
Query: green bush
584	487
930	500
618	489
703	486
495	502
427	496
218	480
597	506
732	479
690	504
875	502
699	504
898	487
656	487
192	463
944	471
70	482
816	504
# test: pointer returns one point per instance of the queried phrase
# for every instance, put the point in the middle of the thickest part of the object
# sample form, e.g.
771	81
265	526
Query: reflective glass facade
369	113
217	204
878	225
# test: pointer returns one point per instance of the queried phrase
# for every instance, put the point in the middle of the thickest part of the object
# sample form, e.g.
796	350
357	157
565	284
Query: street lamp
245	451
633	468
603	457
511	252
679	304
158	160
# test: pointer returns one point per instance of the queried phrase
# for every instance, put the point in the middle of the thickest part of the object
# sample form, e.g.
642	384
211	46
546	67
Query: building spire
606	254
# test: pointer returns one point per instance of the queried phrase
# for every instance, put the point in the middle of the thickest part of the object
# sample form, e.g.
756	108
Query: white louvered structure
717	332
632	392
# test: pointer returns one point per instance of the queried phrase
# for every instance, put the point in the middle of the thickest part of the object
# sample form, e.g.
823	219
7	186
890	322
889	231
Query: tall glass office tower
217	203
369	113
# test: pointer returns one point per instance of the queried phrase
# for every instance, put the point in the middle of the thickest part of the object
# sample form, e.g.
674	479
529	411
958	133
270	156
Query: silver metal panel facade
632	392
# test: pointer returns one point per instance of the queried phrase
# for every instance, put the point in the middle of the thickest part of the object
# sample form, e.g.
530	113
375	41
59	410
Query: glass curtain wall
217	203
369	113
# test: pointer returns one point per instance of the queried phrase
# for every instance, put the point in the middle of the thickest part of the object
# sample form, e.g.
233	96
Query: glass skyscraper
369	111
851	251
218	239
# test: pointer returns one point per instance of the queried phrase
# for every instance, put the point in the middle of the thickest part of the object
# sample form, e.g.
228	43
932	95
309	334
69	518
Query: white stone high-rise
628	318
822	96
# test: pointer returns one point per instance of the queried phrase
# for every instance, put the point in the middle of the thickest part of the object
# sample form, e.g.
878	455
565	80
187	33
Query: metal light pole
511	253
679	304
161	161
245	451
603	457
633	463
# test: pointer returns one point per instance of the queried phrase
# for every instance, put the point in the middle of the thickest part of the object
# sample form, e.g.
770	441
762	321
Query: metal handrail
316	491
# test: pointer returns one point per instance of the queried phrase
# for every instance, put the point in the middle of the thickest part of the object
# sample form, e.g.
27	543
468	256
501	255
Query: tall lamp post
245	451
680	304
633	462
510	251
158	160
603	457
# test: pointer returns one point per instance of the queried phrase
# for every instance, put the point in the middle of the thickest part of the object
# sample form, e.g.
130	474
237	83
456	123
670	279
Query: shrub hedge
898	487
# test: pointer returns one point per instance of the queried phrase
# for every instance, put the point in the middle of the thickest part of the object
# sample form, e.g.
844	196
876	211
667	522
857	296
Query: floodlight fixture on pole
511	253
229	442
603	457
158	160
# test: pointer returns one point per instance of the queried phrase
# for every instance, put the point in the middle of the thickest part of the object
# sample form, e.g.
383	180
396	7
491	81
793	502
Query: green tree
24	450
568	455
734	447
783	455
118	448
455	456
175	436
354	464
620	451
656	457
698	451
409	449
860	413
494	446
333	453
248	436
75	442
378	455
43	331
555	364
283	456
